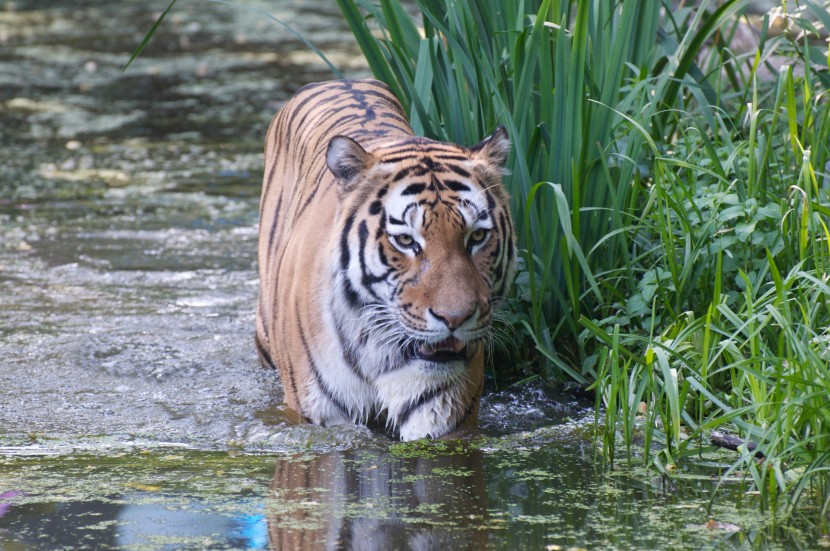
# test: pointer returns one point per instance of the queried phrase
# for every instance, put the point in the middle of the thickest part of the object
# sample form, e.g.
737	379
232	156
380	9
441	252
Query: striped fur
381	257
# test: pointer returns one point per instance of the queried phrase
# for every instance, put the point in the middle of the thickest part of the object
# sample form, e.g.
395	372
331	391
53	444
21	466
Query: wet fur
342	304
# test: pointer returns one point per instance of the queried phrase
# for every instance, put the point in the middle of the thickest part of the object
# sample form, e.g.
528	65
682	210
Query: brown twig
731	442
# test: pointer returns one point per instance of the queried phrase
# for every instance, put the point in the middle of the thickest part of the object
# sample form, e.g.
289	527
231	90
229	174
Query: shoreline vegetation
670	187
670	191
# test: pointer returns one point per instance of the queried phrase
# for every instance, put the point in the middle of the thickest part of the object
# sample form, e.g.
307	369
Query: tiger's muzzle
448	350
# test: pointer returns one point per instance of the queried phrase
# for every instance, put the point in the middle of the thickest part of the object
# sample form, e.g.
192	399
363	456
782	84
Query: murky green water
133	410
537	490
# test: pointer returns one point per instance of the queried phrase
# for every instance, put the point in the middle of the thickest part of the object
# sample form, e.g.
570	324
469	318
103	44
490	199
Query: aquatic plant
671	199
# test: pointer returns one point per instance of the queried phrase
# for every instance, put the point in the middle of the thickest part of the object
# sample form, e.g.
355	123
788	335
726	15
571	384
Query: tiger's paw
428	423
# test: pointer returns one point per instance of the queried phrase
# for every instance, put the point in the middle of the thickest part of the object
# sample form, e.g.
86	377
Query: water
528	492
134	413
128	211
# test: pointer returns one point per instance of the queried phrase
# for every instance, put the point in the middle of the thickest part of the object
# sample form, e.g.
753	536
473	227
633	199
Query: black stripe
273	230
268	180
507	256
261	313
298	105
315	189
264	356
406	210
305	104
352	298
511	253
345	254
276	263
429	164
501	268
491	202
313	85
458	170
496	254
419	402
456	185
321	384
414	189
401	174
290	370
400	125
398	159
382	256
367	279
367	114
378	236
349	357
503	226
384	95
447	157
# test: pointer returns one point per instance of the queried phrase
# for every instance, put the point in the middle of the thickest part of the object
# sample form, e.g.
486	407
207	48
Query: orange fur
381	255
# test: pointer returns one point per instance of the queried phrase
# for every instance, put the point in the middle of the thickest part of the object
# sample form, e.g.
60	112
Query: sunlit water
133	410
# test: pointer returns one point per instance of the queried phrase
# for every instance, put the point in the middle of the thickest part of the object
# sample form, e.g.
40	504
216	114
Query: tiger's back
343	291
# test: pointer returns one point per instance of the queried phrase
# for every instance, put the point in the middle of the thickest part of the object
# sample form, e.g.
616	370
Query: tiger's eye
477	236
403	241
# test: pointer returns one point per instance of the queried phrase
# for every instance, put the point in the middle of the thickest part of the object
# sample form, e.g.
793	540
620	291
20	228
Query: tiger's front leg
423	400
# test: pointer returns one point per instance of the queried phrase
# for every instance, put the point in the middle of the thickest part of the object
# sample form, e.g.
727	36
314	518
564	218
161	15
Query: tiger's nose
454	319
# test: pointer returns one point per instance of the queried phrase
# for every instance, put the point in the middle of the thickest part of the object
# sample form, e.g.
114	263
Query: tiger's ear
347	160
493	149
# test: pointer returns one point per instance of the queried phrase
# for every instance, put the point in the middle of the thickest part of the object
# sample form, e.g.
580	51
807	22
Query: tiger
382	256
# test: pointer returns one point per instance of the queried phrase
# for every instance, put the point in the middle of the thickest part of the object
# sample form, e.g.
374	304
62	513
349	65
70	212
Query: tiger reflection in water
370	500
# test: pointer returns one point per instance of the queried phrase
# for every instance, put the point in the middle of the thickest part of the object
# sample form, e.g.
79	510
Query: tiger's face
434	244
440	246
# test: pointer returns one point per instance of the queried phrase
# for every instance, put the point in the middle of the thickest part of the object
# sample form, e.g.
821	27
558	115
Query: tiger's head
426	245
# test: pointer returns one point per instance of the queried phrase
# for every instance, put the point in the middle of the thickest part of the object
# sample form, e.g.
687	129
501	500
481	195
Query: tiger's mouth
448	350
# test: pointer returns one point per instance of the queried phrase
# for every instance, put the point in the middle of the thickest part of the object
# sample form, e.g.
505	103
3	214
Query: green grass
672	207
